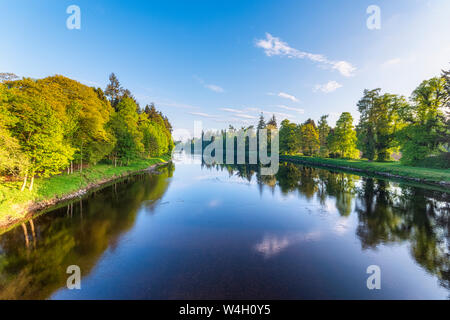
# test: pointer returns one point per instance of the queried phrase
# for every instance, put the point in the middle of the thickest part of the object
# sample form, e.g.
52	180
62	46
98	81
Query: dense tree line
56	123
234	140
314	140
417	128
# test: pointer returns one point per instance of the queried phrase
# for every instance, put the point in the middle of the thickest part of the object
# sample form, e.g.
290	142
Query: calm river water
198	232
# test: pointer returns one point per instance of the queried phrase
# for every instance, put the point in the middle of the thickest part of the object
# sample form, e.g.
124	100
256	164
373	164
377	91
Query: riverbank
16	206
393	169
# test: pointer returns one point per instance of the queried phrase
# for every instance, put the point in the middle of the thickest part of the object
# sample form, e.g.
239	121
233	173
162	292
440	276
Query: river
199	232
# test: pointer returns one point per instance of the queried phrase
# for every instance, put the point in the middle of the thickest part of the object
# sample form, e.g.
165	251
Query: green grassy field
392	167
12	200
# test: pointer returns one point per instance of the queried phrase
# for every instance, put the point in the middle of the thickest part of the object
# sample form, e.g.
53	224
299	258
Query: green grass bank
391	169
16	205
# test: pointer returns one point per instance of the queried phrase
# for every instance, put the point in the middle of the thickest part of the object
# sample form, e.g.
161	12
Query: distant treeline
234	137
56	123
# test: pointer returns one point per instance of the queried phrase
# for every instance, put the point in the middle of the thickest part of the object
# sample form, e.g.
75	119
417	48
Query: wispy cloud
287	96
212	87
245	116
328	87
234	120
239	113
278	115
274	46
391	62
251	113
232	110
299	110
398	61
202	114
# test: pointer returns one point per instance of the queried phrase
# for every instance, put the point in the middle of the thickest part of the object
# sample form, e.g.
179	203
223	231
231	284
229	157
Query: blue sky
224	62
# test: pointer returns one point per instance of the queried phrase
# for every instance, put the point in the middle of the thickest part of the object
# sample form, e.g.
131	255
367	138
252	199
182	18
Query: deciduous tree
289	139
425	121
343	140
309	139
323	130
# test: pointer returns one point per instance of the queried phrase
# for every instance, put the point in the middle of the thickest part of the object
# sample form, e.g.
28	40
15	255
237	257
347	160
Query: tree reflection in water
34	257
388	212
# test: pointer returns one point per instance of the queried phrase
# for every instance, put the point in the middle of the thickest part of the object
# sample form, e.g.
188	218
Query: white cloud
214	88
234	120
273	46
328	87
287	96
344	67
202	114
278	115
245	116
238	113
399	61
299	110
231	110
392	62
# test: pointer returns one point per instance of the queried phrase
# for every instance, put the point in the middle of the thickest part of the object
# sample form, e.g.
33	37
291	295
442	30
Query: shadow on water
388	212
35	255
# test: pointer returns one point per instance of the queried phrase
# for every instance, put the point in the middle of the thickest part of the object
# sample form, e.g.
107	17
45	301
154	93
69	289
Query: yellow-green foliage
50	124
156	129
343	139
427	127
12	159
